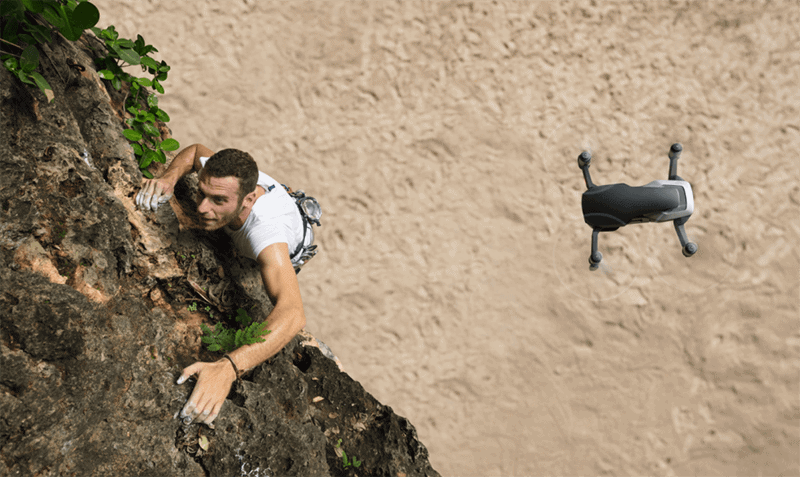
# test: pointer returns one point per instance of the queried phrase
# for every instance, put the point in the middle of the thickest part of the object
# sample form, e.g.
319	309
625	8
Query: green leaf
170	144
137	149
144	116
144	81
42	34
116	83
147	159
35	6
41	82
162	158
126	54
11	64
108	34
149	62
85	16
44	30
10	31
147	174
106	74
132	135
152	101
96	31
113	32
70	30
158	87
163	117
70	33
151	154
29	59
242	317
10	8
25	77
126	43
150	129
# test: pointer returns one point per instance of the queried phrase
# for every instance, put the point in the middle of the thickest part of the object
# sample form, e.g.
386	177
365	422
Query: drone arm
689	248
595	257
584	160
674	155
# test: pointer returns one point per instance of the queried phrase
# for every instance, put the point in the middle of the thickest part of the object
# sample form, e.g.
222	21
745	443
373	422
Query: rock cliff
95	326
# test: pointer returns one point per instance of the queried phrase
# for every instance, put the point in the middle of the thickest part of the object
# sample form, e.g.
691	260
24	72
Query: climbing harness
310	211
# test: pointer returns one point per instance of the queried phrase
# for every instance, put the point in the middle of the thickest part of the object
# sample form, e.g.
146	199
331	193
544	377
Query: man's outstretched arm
158	191
287	318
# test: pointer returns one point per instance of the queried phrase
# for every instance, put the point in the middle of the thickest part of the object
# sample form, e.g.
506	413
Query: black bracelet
235	369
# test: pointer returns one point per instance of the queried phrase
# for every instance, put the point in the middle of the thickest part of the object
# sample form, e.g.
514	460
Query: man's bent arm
158	191
186	161
287	318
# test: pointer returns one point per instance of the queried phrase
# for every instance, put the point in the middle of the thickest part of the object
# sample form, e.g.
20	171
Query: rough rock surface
94	324
441	140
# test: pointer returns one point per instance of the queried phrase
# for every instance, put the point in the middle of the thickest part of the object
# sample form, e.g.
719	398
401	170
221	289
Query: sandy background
441	140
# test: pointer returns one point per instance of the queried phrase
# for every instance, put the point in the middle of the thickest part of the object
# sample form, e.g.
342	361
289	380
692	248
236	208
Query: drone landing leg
584	160
689	248
595	257
674	155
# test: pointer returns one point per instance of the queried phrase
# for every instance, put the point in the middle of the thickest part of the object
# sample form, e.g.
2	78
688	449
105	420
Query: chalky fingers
145	195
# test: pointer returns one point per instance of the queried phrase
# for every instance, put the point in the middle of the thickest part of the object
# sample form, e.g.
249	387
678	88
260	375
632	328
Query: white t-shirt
274	218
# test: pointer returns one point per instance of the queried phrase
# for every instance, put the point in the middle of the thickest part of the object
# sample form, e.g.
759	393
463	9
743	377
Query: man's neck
239	221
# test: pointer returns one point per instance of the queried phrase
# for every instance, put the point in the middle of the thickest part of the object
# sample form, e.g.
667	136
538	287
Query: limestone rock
95	330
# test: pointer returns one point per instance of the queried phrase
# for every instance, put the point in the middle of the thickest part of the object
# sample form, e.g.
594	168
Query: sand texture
441	140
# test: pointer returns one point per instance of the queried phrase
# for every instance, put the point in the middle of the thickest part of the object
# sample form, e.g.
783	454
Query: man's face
218	201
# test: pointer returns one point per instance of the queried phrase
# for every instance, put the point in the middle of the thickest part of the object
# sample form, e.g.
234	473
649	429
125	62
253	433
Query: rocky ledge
95	327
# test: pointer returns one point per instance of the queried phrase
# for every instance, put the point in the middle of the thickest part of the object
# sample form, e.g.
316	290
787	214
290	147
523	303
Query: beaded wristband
235	369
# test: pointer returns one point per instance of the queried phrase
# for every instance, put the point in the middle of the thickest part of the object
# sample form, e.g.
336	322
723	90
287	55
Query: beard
216	223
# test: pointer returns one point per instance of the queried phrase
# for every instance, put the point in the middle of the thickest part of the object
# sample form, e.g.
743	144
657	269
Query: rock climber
265	224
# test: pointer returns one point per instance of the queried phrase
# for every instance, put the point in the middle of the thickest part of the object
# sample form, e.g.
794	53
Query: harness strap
302	243
301	247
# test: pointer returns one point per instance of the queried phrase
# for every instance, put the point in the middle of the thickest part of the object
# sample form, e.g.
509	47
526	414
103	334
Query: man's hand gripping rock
214	381
154	192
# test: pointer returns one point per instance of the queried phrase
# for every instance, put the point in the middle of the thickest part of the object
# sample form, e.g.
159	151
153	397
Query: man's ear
249	199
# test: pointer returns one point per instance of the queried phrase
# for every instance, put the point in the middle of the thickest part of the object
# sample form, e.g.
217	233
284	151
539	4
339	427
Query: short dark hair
234	163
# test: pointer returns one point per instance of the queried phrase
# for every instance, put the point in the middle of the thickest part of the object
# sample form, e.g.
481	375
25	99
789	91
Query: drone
609	207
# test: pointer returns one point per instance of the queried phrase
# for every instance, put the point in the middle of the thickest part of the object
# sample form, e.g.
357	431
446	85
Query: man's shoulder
268	182
273	205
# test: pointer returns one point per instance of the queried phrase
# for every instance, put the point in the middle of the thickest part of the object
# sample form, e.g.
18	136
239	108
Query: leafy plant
142	105
26	23
228	339
32	22
345	463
